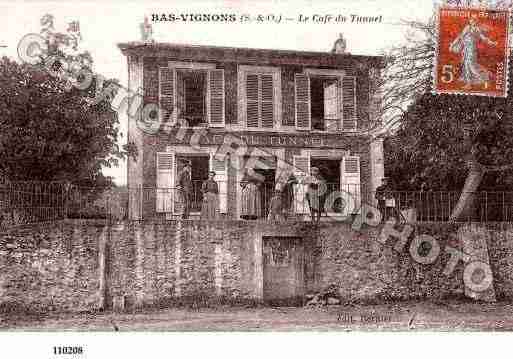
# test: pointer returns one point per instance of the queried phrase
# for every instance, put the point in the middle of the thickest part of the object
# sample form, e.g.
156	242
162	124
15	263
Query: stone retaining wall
82	265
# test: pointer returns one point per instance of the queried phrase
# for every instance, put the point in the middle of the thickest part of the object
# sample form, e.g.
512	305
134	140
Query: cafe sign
259	139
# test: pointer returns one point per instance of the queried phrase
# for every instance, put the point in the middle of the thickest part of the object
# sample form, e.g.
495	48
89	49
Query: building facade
230	109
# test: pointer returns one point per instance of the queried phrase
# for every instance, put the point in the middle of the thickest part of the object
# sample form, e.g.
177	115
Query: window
324	110
193	93
325	100
259	94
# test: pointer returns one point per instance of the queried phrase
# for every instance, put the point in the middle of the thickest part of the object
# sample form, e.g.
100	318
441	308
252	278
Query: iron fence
30	202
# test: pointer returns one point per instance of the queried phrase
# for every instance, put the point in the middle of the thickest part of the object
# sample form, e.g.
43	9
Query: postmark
472	51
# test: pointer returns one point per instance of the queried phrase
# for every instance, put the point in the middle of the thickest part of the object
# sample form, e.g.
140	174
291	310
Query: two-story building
276	111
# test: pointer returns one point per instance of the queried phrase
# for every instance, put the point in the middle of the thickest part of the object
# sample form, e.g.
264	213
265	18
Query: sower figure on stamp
210	205
316	194
472	73
185	188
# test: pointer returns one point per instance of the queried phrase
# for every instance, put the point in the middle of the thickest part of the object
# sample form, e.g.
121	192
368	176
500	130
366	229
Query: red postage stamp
472	52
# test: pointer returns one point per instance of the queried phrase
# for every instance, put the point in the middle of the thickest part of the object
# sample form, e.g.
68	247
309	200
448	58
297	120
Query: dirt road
399	316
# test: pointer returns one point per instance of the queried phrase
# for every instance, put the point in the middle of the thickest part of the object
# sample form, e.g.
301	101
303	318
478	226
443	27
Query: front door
283	270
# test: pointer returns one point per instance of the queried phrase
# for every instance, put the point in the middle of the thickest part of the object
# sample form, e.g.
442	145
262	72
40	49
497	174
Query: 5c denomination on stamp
472	51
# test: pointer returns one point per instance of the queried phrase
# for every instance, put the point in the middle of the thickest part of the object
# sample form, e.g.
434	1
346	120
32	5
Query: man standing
382	194
316	194
185	187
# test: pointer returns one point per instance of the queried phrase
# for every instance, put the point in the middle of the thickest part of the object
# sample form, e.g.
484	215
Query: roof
244	55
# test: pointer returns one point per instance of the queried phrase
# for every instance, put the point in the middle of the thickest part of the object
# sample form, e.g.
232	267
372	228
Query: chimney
340	45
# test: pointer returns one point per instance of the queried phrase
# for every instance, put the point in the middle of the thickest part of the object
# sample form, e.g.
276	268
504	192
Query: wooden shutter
350	180
331	100
349	103
220	168
180	103
165	180
167	92
178	200
252	108
216	99
267	103
302	92
301	170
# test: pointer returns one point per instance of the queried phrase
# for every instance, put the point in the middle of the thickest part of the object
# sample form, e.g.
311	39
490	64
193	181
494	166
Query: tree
52	131
442	142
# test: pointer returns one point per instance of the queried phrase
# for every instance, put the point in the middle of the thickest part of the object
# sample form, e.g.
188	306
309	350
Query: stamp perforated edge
434	90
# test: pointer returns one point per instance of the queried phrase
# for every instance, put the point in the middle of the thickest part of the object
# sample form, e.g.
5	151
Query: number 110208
72	350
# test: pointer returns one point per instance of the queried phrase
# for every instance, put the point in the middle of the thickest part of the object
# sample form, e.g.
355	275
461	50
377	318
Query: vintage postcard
216	166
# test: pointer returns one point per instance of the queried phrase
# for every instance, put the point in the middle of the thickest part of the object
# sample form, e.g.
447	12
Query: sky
104	24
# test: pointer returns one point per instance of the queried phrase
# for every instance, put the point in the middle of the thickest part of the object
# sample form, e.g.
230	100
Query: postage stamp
472	51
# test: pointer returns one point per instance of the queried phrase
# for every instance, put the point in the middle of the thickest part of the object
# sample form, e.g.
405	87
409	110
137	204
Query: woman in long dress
251	201
288	195
210	205
472	73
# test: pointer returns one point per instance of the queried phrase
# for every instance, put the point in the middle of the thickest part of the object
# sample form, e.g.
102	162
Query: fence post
102	260
140	216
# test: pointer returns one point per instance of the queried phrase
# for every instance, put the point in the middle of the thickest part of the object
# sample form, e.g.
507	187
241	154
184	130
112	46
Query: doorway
283	267
267	172
199	173
330	171
267	188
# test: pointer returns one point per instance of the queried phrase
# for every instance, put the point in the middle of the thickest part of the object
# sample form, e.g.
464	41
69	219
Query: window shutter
220	168
267	103
180	103
301	170
349	103
165	174
216	100
167	93
302	92
252	100
350	180
331	100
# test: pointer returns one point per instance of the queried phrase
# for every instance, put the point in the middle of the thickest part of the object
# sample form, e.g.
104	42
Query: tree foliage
442	142
50	131
429	150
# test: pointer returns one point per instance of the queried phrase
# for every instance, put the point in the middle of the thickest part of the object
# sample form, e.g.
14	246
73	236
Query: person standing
316	194
251	201
210	205
276	204
382	194
288	195
185	187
